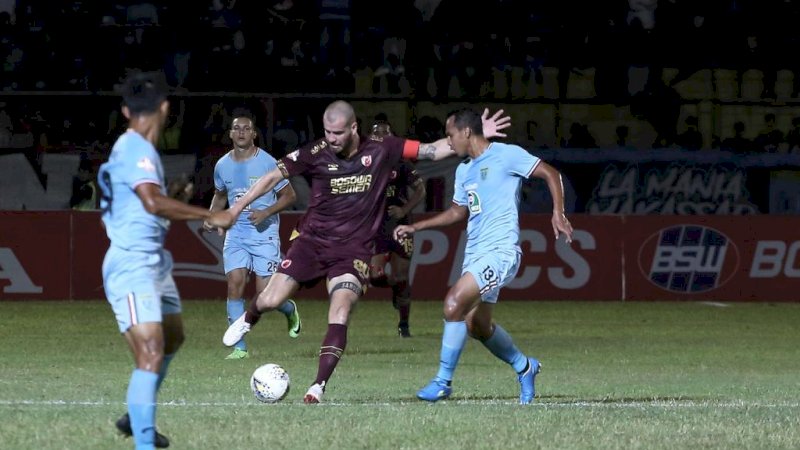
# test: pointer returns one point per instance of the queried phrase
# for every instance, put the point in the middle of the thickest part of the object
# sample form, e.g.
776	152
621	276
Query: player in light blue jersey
487	189
253	243
137	270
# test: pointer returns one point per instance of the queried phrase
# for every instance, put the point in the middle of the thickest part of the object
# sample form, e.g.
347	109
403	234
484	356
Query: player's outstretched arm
285	198
259	188
454	214
159	204
553	179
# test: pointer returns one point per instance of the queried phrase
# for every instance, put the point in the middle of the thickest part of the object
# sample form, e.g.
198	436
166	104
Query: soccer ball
270	383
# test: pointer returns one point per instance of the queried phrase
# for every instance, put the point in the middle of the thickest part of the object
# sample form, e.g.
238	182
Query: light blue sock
453	340
236	309
163	372
502	346
287	308
142	408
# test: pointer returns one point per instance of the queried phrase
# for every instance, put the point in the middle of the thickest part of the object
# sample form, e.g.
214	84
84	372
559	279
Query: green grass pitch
616	375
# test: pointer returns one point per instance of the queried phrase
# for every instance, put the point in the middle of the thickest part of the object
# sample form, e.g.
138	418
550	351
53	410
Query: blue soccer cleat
436	390
527	388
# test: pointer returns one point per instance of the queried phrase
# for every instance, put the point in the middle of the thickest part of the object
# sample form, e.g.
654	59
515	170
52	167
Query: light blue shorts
261	257
492	271
139	286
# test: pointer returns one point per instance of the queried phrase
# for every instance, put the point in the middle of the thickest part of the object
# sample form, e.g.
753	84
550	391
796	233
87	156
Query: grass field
616	375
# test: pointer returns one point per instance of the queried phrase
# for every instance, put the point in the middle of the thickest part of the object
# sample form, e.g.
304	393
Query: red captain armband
410	149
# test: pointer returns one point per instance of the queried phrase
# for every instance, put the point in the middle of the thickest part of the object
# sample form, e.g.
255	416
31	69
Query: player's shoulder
311	150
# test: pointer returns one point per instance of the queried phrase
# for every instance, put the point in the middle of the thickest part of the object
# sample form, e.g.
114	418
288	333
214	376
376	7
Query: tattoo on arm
426	151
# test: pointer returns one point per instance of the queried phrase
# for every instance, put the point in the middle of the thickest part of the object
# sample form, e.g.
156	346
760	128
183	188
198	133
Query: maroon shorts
310	260
387	244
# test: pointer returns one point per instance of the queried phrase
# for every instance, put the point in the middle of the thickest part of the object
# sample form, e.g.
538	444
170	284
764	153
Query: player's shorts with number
492	270
261	256
139	286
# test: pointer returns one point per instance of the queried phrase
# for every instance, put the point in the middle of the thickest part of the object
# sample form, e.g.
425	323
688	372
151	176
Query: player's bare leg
344	290
146	342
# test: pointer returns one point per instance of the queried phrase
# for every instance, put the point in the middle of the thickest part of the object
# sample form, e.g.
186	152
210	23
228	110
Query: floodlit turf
636	375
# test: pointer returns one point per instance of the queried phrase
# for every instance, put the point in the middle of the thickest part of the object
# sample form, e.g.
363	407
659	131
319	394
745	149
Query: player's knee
453	309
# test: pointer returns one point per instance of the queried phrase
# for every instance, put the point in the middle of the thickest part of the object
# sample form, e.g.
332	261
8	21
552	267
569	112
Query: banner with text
58	255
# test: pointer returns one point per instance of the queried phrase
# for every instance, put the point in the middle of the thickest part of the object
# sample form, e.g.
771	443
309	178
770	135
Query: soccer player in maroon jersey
349	174
399	203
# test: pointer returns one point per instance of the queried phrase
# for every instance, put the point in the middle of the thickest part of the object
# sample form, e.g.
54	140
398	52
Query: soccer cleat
314	394
238	353
527	388
436	390
236	331
402	330
124	426
294	322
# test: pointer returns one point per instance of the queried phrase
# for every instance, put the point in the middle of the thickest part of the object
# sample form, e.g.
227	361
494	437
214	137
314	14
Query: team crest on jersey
366	161
474	201
146	165
394	175
315	149
293	156
484	172
286	263
333	167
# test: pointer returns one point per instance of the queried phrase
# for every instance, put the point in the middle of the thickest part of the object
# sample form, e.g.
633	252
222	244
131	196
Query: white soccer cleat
236	331
314	394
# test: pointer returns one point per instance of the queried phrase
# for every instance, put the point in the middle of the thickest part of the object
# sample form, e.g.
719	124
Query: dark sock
401	295
252	315
331	351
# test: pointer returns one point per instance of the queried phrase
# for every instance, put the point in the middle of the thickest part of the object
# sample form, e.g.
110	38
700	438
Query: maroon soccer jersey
402	178
348	197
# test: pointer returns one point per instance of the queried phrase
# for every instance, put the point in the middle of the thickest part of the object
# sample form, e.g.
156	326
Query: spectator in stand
770	139
793	137
84	187
579	137
738	143
691	139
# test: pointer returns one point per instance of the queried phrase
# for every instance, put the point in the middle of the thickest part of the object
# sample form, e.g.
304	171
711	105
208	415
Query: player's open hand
221	219
401	231
258	216
493	125
561	226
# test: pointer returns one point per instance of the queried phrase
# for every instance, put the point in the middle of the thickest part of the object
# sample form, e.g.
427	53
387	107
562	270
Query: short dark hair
243	113
467	118
143	92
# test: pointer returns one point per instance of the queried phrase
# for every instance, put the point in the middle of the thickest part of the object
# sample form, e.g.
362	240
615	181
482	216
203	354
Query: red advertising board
58	255
751	258
35	257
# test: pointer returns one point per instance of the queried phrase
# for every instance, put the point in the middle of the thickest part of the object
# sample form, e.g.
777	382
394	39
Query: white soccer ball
270	383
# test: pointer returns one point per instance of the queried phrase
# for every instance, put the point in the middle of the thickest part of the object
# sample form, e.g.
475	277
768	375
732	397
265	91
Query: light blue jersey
256	248
235	178
137	271
489	187
133	161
